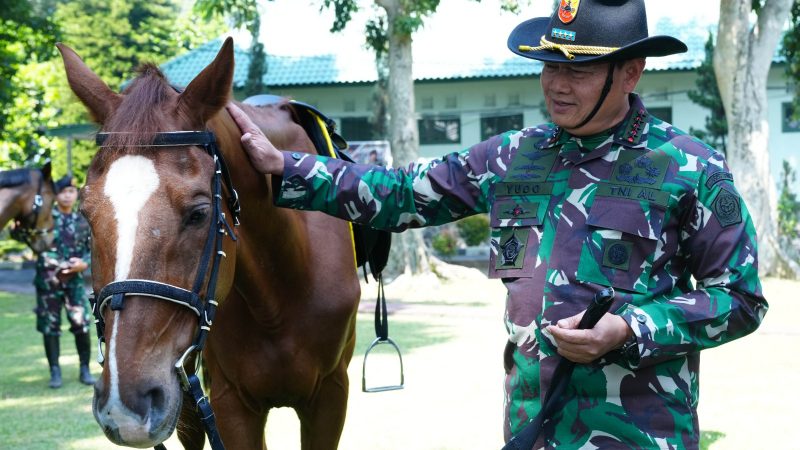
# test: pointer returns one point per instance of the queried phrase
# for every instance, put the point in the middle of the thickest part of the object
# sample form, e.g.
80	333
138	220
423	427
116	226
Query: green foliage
9	246
343	10
788	206
444	243
112	37
243	12
377	36
707	95
27	35
791	50
258	63
474	229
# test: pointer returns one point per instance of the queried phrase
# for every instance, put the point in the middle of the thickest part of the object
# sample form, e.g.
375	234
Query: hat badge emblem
567	9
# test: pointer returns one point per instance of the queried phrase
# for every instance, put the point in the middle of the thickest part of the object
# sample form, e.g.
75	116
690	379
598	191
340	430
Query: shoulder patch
726	208
716	177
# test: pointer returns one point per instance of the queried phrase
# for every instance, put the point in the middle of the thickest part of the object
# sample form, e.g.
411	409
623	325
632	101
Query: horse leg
322	420
190	429
240	425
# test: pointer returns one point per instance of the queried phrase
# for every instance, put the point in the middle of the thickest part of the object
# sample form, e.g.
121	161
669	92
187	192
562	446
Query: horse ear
47	170
209	91
98	98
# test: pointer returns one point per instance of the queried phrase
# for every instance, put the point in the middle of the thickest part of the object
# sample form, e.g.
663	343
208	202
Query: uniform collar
631	133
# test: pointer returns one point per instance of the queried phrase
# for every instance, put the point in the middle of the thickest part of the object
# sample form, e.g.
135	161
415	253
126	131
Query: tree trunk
409	254
742	59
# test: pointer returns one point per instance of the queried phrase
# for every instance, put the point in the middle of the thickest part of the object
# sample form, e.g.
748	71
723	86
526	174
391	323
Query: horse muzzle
146	417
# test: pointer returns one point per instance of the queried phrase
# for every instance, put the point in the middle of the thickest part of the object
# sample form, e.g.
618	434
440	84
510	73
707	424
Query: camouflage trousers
49	302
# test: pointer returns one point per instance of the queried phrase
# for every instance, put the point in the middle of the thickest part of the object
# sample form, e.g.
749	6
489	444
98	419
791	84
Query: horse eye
197	216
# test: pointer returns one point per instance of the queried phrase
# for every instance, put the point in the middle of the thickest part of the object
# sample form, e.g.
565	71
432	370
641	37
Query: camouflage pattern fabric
644	208
53	292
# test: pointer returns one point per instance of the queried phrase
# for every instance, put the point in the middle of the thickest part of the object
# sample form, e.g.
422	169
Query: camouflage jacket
72	238
644	208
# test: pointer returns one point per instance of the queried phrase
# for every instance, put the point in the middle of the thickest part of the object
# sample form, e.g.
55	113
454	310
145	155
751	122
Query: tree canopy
112	36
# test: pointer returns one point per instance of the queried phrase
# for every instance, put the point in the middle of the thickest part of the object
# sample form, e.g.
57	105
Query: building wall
469	100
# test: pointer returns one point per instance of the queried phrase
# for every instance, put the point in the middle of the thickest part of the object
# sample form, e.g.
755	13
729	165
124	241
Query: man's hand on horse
584	346
263	155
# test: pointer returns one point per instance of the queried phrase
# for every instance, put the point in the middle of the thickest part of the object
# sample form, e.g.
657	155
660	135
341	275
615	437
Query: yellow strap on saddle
329	148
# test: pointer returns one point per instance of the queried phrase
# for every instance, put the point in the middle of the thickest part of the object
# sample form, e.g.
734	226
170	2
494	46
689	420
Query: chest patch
634	168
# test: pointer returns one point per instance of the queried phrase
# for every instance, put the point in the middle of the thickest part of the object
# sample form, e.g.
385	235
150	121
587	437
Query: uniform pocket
620	247
515	236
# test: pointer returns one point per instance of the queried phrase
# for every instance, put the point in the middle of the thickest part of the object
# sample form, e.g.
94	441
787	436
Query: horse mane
138	117
14	177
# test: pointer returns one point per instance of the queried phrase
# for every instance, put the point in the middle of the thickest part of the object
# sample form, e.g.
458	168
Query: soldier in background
606	195
59	284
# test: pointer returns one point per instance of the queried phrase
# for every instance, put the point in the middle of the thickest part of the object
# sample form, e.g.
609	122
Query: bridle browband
114	293
26	234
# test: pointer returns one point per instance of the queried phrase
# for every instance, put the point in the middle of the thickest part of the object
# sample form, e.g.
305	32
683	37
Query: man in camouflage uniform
606	195
59	283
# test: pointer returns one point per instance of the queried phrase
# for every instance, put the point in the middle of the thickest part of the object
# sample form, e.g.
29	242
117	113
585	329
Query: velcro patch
726	208
511	253
617	253
716	177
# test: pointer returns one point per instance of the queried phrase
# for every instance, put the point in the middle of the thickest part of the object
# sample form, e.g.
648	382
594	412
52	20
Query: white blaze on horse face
130	182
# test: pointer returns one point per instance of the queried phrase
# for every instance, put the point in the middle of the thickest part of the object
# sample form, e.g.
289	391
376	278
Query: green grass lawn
35	417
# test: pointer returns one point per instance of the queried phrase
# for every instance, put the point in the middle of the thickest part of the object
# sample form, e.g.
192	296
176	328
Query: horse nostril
150	404
156	399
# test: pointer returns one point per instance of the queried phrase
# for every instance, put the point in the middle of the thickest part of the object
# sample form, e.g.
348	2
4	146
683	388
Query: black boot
82	344
52	350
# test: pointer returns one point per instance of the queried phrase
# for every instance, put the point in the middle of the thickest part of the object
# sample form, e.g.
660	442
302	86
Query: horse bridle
114	293
26	234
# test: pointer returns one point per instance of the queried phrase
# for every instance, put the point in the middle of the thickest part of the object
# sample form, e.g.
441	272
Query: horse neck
254	189
278	233
10	205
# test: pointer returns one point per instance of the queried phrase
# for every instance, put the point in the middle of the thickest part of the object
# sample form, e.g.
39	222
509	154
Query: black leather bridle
114	293
24	233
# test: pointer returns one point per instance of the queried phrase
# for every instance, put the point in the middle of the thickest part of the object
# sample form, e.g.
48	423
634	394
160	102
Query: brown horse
287	288
27	195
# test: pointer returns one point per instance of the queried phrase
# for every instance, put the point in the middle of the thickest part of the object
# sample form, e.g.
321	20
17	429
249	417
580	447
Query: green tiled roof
351	68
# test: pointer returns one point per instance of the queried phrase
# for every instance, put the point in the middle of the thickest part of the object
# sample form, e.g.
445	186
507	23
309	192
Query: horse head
28	196
160	235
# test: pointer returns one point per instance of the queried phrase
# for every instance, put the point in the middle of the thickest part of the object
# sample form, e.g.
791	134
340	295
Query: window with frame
356	129
494	125
789	123
439	130
662	112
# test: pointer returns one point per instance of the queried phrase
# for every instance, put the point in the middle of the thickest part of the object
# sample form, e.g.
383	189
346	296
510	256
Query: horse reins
114	293
25	234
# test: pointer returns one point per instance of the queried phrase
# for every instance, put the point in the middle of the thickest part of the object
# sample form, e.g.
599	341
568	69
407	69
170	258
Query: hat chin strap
603	95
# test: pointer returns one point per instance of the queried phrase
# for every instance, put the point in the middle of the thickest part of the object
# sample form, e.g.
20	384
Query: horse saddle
372	246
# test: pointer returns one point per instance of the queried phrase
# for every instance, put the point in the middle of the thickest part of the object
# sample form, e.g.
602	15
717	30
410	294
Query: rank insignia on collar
510	250
567	10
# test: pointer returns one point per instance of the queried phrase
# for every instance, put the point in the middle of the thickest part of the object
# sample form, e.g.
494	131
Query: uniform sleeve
419	195
718	242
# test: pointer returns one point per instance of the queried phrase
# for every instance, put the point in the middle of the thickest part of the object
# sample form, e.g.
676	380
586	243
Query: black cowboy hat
63	182
591	31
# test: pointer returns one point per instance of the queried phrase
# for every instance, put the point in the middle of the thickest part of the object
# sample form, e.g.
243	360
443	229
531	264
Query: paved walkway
19	281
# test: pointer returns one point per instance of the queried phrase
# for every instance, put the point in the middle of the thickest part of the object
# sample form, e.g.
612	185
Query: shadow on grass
709	437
